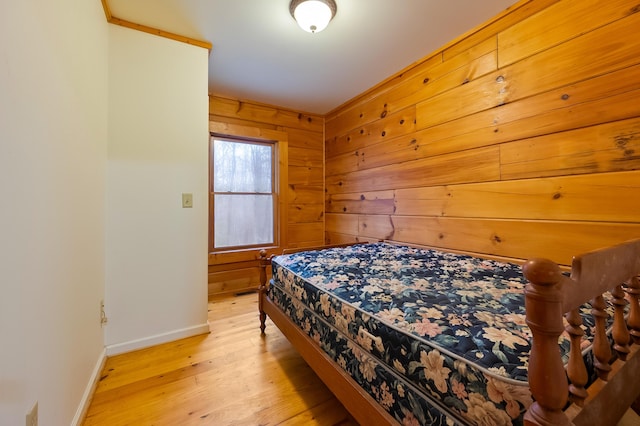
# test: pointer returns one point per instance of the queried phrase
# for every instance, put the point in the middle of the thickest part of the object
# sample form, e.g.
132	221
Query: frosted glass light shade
313	15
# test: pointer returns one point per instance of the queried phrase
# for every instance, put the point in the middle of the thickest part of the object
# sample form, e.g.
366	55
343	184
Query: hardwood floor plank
232	376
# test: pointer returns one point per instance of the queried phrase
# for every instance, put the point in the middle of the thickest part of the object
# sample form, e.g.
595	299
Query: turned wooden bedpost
576	369
262	290
601	349
544	312
621	336
633	291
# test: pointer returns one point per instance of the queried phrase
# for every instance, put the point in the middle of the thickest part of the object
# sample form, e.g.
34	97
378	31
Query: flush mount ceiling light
313	15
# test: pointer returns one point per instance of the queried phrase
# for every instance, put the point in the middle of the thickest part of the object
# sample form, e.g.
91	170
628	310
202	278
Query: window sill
241	255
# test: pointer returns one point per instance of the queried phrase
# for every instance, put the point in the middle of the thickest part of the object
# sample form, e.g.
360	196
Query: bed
413	335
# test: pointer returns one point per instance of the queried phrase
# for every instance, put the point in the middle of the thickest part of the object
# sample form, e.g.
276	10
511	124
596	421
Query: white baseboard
120	348
81	412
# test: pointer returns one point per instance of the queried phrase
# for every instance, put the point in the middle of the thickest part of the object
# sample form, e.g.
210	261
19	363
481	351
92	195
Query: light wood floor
232	376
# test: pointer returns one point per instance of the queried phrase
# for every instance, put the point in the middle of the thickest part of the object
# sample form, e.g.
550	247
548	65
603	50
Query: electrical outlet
32	416
103	315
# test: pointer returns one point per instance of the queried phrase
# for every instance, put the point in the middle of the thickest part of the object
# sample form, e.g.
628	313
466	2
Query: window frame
278	139
273	193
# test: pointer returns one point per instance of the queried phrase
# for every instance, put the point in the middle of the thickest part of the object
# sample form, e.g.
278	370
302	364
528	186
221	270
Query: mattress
436	338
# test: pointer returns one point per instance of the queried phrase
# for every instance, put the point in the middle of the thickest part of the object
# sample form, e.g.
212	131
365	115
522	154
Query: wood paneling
260	114
558	241
464	166
595	53
455	75
377	102
525	38
308	234
514	14
608	147
588	197
305	194
376	227
306	213
434	79
526	139
337	238
234	280
381	202
606	49
575	106
306	175
462	45
387	127
481	94
304	180
342	224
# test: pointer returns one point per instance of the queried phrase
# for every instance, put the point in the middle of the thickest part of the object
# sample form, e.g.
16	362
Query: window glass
242	167
243	194
243	220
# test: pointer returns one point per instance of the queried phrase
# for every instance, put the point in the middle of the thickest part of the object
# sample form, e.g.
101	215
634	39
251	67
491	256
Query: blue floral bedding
436	338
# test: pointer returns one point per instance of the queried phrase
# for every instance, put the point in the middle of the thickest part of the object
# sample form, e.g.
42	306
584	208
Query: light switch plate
187	200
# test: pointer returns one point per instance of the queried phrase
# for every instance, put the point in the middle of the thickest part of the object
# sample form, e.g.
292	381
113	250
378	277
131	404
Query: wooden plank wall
238	272
519	139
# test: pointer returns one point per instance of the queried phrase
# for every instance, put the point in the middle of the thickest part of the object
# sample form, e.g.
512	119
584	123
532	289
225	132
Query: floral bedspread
445	326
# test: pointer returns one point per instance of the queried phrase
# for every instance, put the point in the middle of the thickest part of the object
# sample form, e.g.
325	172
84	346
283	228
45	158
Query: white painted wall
53	142
156	288
101	130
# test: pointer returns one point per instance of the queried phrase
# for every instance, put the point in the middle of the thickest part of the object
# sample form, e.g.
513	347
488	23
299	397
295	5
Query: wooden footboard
549	296
358	402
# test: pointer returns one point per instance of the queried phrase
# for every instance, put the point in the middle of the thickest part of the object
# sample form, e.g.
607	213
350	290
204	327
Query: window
244	195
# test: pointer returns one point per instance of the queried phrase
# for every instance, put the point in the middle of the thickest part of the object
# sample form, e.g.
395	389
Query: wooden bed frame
549	296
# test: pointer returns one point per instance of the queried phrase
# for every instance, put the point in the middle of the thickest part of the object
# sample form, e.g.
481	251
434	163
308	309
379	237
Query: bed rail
357	401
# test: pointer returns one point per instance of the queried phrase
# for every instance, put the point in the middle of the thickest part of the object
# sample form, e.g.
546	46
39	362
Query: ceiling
259	53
